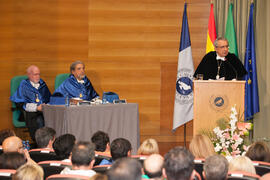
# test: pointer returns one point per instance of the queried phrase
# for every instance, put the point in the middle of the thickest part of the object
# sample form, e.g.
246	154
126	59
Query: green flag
230	32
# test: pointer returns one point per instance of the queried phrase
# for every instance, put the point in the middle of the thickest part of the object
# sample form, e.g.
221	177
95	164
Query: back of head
125	169
11	160
216	167
179	164
5	133
63	145
29	171
201	146
12	144
100	139
242	163
120	148
153	166
149	146
259	151
43	136
83	153
99	176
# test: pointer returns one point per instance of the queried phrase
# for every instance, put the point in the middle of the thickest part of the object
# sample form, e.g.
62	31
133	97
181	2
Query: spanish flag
211	32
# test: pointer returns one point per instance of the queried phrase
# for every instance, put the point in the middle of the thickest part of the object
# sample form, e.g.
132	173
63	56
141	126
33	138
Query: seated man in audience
77	85
14	144
31	94
178	164
83	159
120	148
102	142
45	137
153	166
63	146
125	169
3	135
215	168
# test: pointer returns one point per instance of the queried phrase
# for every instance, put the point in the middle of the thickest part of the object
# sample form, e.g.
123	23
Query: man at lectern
220	64
31	94
77	85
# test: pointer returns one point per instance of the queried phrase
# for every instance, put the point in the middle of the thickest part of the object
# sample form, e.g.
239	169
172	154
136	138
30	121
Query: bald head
33	73
153	166
12	144
265	176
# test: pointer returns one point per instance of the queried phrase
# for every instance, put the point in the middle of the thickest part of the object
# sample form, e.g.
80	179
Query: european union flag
251	95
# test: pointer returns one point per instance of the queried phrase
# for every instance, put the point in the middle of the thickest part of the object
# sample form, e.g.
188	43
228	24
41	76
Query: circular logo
219	102
184	86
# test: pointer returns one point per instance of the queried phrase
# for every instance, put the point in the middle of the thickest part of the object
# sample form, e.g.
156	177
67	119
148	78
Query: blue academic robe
26	93
73	89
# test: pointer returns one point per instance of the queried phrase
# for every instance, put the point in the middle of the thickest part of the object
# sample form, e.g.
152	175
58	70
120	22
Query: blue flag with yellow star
251	88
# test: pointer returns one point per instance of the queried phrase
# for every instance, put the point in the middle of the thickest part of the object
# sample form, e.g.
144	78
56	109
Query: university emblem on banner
184	86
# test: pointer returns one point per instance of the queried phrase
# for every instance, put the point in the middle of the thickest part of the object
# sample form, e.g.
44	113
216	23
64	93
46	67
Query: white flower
218	147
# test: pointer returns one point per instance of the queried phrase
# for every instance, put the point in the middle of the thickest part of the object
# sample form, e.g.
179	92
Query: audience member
215	168
102	142
31	94
259	151
83	159
125	169
44	137
99	176
11	160
201	146
3	135
120	147
29	172
14	144
148	146
63	146
242	163
153	166
77	85
178	164
265	177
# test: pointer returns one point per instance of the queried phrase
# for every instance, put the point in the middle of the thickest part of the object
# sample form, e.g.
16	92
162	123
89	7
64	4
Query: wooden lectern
213	100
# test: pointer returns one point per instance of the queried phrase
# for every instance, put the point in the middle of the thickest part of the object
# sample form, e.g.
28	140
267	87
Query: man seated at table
31	94
77	85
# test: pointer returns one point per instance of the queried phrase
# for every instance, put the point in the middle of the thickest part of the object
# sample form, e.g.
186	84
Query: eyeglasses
222	47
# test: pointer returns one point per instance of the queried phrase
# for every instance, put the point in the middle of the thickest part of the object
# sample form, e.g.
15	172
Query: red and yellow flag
211	32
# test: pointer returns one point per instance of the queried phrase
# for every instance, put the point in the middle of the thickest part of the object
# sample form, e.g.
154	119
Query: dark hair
100	139
44	135
11	160
6	133
259	151
179	164
216	167
74	64
63	145
83	153
125	168
120	148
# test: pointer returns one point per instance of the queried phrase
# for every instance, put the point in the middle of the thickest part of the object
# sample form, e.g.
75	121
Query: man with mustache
77	85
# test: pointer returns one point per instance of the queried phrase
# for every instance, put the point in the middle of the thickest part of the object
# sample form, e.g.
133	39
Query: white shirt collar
80	81
35	85
220	58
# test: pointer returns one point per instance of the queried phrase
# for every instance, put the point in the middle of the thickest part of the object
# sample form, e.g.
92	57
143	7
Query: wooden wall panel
130	47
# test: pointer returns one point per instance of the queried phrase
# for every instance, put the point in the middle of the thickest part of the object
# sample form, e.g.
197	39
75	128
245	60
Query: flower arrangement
229	138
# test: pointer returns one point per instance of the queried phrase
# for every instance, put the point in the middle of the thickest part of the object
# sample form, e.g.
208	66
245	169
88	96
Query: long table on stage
118	120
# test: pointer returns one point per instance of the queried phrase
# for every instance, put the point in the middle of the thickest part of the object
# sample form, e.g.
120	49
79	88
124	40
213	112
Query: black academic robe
231	68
